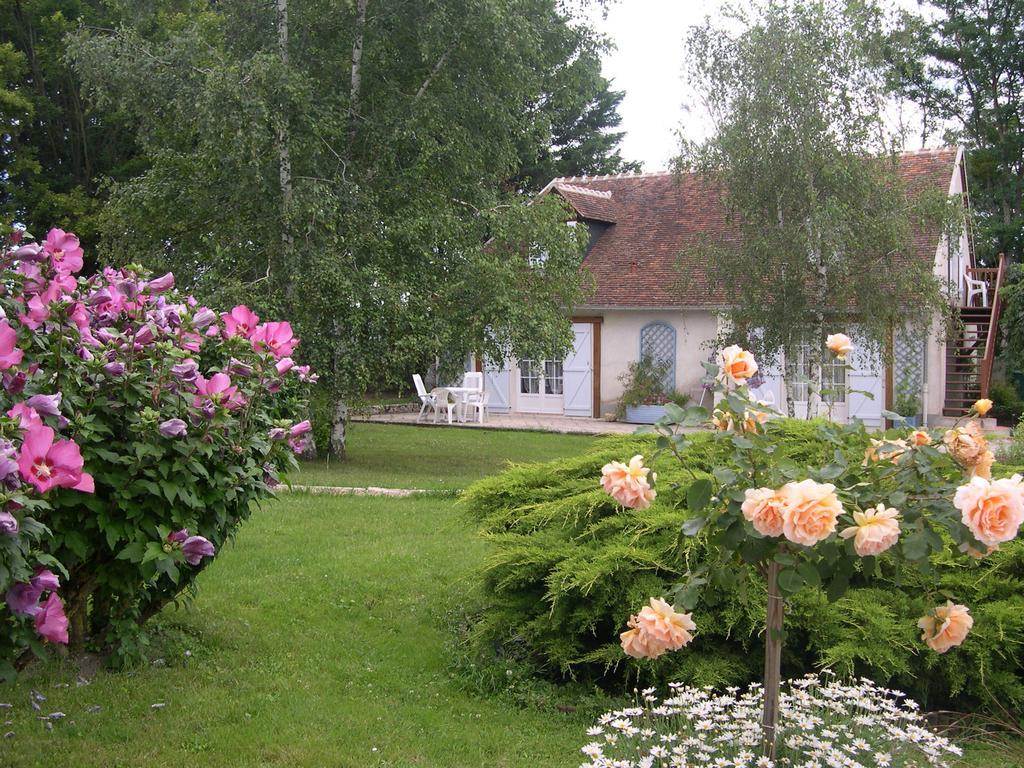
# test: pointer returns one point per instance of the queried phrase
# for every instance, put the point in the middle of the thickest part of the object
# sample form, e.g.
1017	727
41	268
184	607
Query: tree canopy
795	89
963	64
357	165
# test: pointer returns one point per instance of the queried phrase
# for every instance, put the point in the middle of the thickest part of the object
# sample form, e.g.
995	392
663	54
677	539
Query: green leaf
809	573
133	552
698	495
674	413
724	475
790	581
915	546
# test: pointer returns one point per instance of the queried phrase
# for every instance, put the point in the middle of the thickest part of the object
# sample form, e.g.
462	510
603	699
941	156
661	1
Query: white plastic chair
479	404
426	398
473	380
976	288
442	399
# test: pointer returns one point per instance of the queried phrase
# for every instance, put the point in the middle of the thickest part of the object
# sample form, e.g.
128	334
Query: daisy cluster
823	723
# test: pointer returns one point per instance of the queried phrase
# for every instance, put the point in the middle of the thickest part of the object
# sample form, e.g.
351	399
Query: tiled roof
639	261
589	203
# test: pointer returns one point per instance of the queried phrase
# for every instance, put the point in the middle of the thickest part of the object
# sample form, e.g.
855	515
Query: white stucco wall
620	345
950	265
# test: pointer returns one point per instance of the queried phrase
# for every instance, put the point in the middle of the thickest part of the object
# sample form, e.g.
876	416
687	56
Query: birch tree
809	177
344	163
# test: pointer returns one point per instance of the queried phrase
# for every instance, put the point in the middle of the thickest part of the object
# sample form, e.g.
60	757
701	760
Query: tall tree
575	121
56	154
965	67
810	181
393	186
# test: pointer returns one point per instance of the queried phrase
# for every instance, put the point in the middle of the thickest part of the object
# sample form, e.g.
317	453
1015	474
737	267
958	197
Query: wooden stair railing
969	357
993	327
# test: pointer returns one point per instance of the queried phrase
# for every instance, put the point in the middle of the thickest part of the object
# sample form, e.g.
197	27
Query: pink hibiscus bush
139	430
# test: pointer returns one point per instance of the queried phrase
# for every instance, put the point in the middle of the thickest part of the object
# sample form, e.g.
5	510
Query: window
529	378
540	377
658	344
553	377
798	371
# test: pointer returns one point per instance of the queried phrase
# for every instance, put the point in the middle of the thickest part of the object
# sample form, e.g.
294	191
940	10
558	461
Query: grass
319	639
326	655
437	458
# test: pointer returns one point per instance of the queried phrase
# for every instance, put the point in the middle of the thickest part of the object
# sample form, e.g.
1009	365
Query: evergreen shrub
568	565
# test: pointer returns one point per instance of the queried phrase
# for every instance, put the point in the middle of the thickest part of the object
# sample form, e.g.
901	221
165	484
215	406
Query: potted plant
908	405
645	394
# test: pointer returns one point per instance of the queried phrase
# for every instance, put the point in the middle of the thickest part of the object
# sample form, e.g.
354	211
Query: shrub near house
138	431
569	566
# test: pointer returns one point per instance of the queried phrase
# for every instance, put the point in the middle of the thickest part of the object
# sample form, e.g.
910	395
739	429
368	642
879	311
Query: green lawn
317	640
400	456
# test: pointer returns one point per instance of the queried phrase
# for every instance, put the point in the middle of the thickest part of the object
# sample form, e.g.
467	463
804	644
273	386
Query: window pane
553	377
528	381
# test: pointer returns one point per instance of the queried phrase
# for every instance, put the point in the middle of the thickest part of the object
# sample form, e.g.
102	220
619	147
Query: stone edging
341	490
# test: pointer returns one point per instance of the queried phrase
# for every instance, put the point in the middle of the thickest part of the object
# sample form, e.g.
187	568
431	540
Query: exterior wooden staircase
971	351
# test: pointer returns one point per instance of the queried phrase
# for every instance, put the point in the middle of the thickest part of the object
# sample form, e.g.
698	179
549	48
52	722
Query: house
652	300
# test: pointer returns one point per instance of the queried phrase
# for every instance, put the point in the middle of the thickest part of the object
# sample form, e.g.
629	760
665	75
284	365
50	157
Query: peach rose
763	507
875	531
628	484
946	626
656	629
635	643
984	466
884	450
920	437
735	365
966	444
982	406
839	344
754	419
720	420
992	510
809	511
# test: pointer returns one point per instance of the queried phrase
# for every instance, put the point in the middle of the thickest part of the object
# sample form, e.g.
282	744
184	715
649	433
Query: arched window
658	344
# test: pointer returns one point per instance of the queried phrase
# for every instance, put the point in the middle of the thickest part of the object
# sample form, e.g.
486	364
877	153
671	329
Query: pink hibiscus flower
275	338
240	321
218	390
10	355
47	464
65	251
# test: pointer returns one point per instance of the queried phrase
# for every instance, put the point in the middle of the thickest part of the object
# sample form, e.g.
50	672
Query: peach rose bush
917	497
138	429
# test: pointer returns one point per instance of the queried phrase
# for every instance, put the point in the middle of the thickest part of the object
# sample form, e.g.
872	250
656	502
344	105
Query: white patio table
460	394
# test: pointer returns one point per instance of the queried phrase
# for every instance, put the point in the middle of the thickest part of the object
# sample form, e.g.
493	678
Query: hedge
568	566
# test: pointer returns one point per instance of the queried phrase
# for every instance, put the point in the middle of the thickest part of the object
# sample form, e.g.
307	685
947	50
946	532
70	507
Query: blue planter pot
644	414
912	421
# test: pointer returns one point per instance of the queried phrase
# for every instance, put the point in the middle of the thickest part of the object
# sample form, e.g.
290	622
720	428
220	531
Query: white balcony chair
975	288
478	403
473	380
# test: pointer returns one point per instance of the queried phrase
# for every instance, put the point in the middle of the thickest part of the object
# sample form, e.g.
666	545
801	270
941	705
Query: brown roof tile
639	260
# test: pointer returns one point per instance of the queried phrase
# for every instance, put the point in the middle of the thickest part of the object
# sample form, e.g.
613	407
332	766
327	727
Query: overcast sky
648	65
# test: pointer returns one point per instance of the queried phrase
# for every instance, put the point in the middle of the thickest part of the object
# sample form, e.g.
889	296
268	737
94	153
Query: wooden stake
772	659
